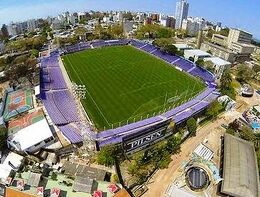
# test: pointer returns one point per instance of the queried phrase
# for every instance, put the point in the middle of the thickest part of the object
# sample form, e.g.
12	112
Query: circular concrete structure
197	178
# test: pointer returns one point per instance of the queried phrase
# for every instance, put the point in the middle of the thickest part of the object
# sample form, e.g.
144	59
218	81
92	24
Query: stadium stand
55	95
71	133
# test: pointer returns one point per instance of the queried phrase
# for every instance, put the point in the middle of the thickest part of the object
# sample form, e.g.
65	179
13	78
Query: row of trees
111	32
26	44
143	163
154	31
166	45
244	73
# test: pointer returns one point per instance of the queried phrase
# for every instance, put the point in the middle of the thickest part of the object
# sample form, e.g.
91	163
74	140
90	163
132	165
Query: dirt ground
212	132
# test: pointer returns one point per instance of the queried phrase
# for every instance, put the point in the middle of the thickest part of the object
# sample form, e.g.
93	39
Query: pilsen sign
146	137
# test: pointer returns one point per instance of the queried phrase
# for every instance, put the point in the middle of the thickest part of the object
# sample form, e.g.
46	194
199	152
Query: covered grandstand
55	94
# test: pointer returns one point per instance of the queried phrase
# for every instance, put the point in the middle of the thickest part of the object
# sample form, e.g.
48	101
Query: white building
220	65
81	16
12	29
72	19
32	24
56	24
13	162
140	17
168	22
119	16
238	36
182	47
62	18
196	54
127	26
106	19
181	12
31	138
193	25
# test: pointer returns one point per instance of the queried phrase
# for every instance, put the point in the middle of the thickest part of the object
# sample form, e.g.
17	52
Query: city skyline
223	11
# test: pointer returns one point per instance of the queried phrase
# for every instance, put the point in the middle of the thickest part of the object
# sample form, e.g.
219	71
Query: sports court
25	121
17	102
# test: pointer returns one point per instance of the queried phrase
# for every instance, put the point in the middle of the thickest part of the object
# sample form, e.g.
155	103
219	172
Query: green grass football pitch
125	85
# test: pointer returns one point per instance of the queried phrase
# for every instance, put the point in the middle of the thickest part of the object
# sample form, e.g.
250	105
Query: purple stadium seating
71	133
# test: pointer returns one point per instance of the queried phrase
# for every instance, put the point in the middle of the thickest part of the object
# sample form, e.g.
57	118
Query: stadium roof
217	61
240	171
32	134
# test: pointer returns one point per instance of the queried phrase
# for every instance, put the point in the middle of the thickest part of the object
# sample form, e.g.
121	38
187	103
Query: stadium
131	91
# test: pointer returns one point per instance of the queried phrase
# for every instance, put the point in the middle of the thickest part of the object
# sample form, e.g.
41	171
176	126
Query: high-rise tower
181	12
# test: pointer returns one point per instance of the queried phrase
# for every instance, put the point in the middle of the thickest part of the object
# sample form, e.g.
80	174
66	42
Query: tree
210	33
163	32
181	33
235	125
173	144
226	84
209	66
224	32
214	109
54	176
163	42
106	156
171	49
200	62
23	67
256	68
81	32
244	73
34	53
192	126
116	30
226	80
3	137
247	133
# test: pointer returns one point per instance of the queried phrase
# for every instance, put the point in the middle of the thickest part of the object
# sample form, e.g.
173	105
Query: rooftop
217	61
197	52
67	190
240	171
5	168
182	46
32	134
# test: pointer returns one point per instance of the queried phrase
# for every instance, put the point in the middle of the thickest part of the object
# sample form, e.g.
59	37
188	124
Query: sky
244	14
